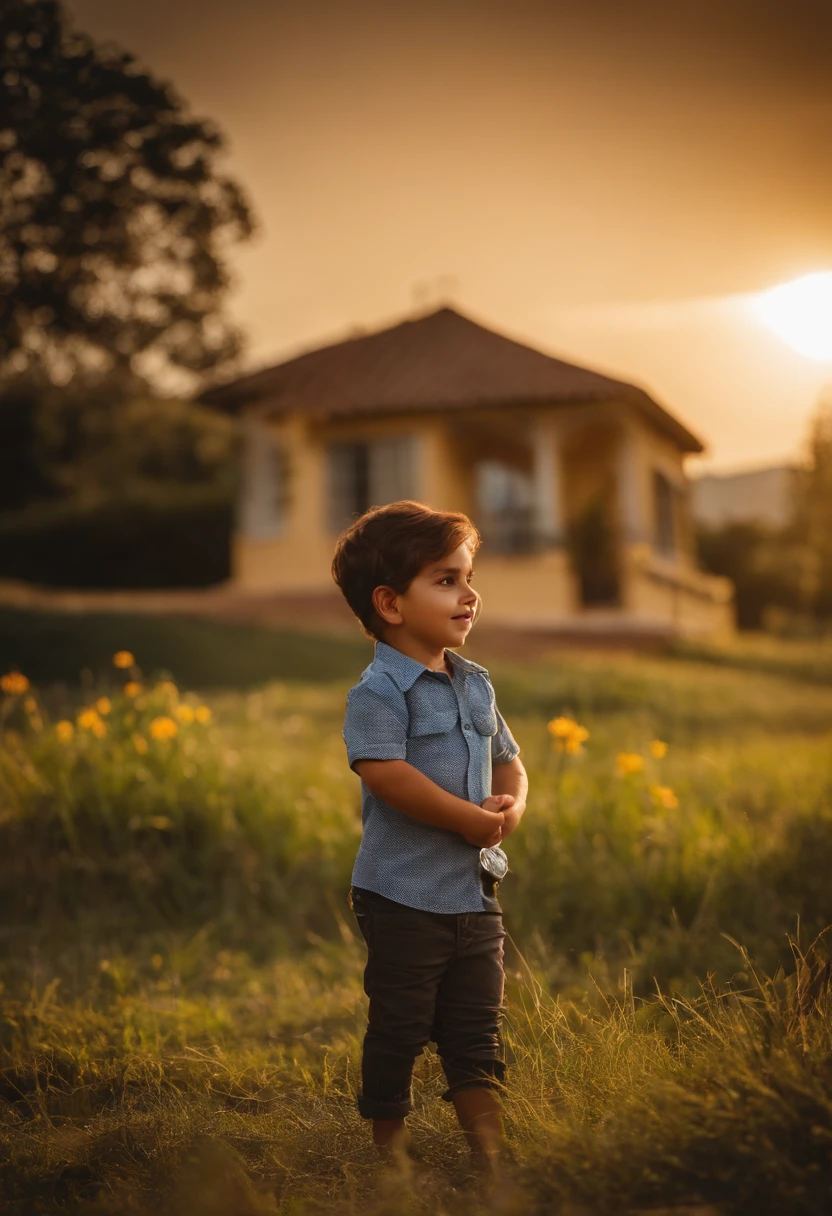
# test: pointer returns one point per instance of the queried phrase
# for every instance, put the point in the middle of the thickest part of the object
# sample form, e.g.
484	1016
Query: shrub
174	540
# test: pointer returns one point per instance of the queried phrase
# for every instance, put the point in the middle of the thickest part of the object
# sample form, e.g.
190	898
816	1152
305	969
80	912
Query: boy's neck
422	652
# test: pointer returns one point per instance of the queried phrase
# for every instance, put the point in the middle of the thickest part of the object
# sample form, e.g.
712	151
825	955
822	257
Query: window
263	482
505	507
364	475
664	514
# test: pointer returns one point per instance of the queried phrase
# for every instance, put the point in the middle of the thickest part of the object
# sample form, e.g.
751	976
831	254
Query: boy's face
439	606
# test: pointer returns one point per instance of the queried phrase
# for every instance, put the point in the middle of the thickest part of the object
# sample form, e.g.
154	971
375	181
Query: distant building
762	495
576	480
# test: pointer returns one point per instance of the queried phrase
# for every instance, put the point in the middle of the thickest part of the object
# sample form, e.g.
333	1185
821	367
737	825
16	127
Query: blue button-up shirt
450	730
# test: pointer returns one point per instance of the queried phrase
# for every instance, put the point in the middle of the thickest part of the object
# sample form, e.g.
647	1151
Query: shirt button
466	725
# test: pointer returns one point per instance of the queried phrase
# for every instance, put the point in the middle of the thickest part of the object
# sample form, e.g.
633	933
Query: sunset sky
611	182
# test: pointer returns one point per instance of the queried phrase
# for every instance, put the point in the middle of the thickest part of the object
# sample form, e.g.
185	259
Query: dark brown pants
430	976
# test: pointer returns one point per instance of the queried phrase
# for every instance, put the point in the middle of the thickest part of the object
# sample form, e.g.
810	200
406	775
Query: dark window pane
663	508
348	483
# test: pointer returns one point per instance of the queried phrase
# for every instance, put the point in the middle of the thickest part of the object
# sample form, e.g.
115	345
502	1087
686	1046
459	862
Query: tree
763	563
786	568
114	220
813	509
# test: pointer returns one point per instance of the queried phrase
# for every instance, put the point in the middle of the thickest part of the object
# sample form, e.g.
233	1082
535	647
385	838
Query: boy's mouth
463	616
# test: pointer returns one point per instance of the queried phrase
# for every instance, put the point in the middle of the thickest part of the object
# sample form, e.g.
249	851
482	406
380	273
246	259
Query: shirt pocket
483	708
436	723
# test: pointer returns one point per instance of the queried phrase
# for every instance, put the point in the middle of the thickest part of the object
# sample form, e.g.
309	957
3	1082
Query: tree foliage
813	509
114	220
787	569
763	563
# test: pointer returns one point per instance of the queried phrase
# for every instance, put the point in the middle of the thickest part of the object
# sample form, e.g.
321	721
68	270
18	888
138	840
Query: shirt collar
406	671
464	664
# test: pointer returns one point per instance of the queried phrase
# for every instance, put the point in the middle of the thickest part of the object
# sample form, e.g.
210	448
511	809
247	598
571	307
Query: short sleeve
375	724
504	747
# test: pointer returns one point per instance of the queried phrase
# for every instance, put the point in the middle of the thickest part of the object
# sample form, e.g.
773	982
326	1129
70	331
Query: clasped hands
496	819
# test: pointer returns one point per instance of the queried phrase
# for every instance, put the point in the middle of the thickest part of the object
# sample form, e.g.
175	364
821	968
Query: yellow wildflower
99	728
87	718
132	688
564	728
64	730
14	683
157	960
140	744
185	714
168	688
202	714
160	822
658	748
103	705
123	659
629	762
163	728
568	735
30	705
664	795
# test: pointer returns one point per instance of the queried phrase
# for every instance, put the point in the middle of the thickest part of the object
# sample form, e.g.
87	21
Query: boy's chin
458	637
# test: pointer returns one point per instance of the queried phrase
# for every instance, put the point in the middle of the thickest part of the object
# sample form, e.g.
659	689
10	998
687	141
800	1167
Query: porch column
630	488
547	479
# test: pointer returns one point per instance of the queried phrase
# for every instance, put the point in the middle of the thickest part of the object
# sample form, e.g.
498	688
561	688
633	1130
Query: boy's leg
478	1111
389	1134
469	1012
408	952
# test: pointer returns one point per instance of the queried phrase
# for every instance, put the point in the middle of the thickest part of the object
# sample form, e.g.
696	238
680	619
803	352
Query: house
576	480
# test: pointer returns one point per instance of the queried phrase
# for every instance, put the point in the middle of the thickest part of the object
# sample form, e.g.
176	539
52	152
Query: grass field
181	981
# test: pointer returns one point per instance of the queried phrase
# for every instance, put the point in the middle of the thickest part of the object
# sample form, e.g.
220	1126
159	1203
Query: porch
585	517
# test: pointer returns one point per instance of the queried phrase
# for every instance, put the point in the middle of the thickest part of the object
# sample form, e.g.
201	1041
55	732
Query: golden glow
800	313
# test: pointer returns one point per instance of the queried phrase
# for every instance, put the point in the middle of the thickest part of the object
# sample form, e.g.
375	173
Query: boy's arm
403	787
511	779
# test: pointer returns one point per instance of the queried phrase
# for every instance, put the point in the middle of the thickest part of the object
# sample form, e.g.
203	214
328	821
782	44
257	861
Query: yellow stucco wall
298	558
532	591
685	601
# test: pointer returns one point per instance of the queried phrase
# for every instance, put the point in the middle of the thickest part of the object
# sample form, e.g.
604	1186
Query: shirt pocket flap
484	718
438	723
483	707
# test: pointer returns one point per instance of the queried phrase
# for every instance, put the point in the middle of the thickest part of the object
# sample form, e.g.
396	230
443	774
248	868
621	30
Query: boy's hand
498	802
488	829
506	803
485	827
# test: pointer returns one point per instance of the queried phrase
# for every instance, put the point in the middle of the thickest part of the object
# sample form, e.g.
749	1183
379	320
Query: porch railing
513	531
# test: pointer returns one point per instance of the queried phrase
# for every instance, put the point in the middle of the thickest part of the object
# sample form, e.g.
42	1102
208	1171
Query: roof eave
675	430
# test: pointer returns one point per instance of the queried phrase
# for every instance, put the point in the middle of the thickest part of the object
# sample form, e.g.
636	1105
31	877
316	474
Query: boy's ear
385	602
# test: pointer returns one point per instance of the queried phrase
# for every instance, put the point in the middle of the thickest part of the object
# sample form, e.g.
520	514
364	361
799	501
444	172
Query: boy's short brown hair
388	546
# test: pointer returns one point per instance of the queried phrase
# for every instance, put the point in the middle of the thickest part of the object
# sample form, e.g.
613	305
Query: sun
801	314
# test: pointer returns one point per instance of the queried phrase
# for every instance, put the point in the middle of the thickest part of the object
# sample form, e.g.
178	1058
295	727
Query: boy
422	731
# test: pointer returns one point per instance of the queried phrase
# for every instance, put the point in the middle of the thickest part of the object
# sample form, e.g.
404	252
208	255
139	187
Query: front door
593	551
